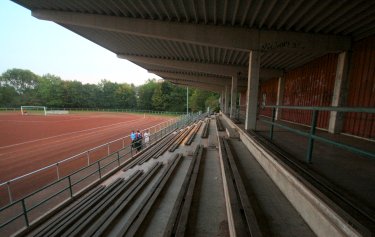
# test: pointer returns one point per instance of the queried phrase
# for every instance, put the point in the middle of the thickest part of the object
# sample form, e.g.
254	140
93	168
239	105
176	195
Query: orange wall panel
267	94
310	85
361	91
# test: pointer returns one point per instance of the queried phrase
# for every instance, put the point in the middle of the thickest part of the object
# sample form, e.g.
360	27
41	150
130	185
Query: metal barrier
311	135
104	110
90	155
67	187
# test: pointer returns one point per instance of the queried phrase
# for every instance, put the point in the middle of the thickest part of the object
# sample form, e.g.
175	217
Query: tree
197	100
7	96
21	80
23	87
162	98
213	102
50	91
178	98
200	100
108	93
158	99
91	95
125	96
145	94
72	94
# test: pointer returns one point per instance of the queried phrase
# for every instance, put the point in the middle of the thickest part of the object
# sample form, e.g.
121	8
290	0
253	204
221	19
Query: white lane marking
41	121
86	135
64	134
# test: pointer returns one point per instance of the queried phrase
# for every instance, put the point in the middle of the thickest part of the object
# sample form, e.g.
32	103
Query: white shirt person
146	135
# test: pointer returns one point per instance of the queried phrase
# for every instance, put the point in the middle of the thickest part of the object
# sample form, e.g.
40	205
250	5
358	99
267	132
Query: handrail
102	110
24	212
74	156
311	135
325	108
322	139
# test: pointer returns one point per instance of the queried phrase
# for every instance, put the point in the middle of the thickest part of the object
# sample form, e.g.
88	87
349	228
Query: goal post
25	110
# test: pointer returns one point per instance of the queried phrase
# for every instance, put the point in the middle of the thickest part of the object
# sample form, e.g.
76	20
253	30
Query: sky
45	47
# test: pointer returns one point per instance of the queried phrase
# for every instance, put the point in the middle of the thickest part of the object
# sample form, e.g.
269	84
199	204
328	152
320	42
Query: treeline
23	87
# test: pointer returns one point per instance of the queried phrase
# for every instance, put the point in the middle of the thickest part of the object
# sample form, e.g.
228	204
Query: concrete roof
214	36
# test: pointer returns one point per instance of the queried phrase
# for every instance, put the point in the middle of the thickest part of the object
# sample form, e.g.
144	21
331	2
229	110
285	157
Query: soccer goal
33	110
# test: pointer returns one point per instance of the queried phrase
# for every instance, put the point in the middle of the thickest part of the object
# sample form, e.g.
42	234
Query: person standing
146	135
138	141
133	137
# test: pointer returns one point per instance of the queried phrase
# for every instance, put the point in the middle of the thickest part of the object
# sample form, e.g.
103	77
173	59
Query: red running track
28	143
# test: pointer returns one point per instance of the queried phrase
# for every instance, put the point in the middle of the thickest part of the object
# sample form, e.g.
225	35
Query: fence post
88	157
70	186
100	170
25	213
123	143
108	149
118	158
57	171
311	139
9	193
272	120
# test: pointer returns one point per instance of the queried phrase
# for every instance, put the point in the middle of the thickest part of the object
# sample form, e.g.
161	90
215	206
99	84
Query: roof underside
353	20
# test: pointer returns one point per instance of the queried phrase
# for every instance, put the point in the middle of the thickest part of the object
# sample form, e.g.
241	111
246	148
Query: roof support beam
194	81
198	85
199	78
212	84
217	69
242	39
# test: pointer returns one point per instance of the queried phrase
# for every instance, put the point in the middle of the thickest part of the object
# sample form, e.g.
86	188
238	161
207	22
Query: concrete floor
277	217
208	214
353	174
209	217
275	214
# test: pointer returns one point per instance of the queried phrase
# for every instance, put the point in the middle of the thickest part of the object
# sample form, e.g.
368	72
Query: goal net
33	110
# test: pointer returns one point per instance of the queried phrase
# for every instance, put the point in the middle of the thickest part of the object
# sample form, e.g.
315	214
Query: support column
339	92
252	90
233	101
280	96
239	99
222	101
226	103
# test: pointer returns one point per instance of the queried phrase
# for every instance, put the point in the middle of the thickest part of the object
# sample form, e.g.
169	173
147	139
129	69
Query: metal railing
103	110
9	109
65	188
311	135
91	154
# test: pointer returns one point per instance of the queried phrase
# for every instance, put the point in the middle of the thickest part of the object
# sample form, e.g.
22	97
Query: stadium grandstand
291	153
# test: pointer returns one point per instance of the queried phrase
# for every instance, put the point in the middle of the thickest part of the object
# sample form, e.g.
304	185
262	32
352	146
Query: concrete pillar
222	101
339	92
239	99
226	103
233	101
280	96
252	90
